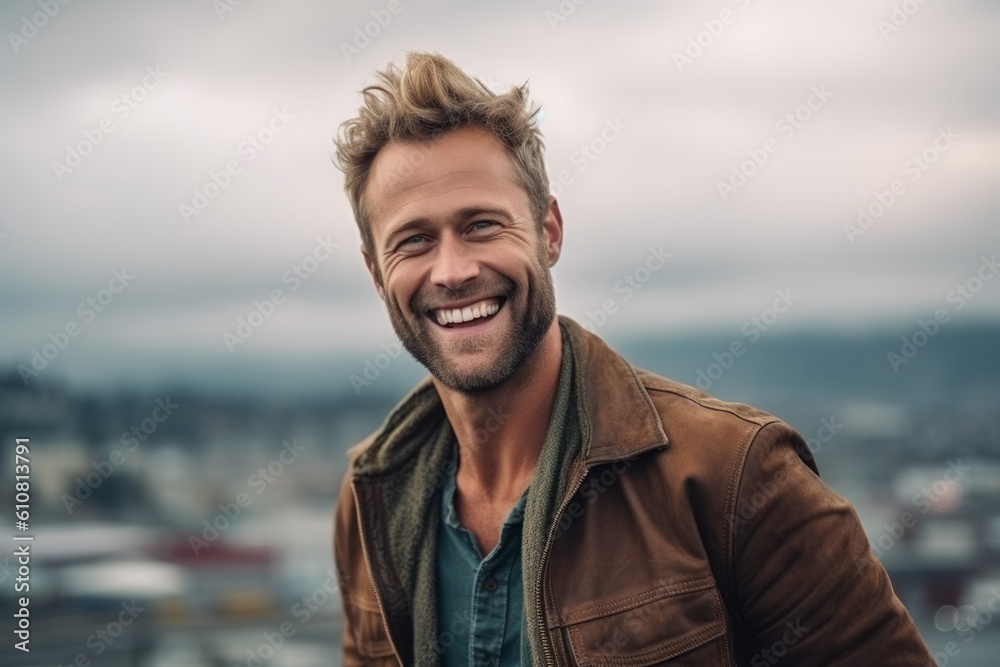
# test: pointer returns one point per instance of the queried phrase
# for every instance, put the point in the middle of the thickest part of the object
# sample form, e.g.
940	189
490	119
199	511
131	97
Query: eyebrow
463	213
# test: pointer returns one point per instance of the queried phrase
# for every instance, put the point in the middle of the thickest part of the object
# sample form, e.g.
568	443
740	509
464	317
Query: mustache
425	302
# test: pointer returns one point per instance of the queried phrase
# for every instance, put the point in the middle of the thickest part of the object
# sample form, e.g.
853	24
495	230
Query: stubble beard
536	314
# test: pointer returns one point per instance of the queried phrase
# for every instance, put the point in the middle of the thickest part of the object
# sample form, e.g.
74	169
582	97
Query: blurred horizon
389	369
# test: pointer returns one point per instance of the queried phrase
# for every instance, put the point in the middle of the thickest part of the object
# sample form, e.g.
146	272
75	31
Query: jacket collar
618	419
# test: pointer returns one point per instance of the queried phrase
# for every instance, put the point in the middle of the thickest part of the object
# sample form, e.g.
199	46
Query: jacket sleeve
808	585
342	526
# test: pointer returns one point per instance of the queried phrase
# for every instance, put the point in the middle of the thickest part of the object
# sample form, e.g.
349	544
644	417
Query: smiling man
536	499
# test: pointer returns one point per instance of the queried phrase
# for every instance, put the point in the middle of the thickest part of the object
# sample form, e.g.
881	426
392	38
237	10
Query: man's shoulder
676	404
709	436
682	402
705	436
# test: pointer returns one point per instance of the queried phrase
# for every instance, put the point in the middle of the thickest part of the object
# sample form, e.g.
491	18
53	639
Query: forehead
434	178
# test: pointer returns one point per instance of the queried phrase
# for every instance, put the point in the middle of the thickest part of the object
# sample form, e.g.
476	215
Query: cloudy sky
740	137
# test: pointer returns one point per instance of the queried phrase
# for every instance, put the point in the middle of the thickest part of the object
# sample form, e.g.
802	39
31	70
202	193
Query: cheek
518	266
402	284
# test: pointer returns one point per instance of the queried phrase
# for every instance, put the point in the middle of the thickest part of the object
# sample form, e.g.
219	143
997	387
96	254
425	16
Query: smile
480	310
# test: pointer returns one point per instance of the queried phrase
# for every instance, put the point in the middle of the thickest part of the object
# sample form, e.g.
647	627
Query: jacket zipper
371	575
539	597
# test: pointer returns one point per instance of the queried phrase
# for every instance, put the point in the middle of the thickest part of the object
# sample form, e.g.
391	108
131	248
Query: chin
462	377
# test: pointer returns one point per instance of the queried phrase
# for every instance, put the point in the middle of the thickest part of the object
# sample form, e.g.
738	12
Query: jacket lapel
619	419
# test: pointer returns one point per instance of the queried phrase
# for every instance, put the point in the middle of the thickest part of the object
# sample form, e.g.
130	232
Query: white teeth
466	314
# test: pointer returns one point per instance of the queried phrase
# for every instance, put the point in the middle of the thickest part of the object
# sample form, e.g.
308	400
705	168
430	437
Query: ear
374	272
552	226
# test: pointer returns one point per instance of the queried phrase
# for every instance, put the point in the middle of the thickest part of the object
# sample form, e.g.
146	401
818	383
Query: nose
454	263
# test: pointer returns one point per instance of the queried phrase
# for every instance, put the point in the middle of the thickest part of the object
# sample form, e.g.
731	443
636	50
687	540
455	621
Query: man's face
459	260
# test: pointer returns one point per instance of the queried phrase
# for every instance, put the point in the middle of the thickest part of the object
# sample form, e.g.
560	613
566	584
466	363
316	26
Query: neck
500	432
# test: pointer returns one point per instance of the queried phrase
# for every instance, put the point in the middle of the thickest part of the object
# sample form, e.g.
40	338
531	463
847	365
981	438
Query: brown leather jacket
693	532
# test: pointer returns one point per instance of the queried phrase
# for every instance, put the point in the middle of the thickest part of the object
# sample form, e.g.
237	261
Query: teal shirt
480	600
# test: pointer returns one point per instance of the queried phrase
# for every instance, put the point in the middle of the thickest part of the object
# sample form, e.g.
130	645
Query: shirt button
491	585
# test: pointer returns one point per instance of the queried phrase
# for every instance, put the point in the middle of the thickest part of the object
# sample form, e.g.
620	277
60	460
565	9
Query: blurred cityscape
189	529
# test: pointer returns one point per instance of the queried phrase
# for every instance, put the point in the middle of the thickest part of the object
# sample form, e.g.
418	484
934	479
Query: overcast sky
839	97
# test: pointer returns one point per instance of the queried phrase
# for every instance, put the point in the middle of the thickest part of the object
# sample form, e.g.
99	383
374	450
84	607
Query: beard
531	312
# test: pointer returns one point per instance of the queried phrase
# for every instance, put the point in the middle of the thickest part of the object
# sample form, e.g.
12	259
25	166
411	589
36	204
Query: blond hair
428	97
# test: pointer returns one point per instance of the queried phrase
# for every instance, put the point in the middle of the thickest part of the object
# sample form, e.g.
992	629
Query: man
536	499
